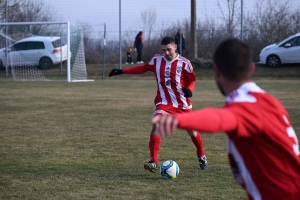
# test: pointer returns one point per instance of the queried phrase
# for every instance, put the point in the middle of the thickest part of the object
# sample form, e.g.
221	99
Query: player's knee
153	129
192	133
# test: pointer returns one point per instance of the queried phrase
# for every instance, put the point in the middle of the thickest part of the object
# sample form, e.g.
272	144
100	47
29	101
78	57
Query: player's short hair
167	40
233	58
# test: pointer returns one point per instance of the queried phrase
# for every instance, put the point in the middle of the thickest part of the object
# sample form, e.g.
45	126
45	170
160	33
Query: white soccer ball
169	169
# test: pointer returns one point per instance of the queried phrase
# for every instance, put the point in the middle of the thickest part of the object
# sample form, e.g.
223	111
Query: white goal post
76	66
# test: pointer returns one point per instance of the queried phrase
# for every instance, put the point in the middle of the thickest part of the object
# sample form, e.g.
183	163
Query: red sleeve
135	70
190	77
191	86
209	120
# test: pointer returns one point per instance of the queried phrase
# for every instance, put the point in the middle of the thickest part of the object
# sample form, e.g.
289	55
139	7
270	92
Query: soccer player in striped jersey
262	145
175	83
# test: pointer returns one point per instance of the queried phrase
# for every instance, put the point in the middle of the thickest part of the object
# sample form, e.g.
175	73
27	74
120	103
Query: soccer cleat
141	62
126	63
203	162
132	63
151	166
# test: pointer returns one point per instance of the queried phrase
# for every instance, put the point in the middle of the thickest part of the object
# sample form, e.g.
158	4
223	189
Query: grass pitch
89	140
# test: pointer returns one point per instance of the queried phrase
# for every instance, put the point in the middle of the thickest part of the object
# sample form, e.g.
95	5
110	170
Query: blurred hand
187	93
115	72
165	124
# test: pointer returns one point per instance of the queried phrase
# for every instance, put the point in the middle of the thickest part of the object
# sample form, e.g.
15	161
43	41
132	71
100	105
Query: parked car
286	51
42	51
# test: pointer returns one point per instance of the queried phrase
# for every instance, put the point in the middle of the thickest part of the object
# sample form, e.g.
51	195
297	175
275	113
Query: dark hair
167	40
140	33
233	58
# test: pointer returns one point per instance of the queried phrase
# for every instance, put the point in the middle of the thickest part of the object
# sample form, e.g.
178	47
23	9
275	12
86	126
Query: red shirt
262	146
172	77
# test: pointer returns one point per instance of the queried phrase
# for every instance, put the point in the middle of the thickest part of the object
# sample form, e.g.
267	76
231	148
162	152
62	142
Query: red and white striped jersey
262	145
263	150
172	77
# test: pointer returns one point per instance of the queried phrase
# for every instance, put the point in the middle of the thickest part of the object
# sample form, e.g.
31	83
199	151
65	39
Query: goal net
42	51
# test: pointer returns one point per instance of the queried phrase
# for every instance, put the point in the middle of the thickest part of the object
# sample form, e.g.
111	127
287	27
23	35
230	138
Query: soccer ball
169	169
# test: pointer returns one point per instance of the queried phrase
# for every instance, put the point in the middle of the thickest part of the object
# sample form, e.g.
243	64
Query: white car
42	51
286	51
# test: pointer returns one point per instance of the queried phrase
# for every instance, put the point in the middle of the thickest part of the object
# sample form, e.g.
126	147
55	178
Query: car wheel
45	63
273	61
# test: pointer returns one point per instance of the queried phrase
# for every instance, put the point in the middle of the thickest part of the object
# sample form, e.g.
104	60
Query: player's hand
115	72
165	124
187	93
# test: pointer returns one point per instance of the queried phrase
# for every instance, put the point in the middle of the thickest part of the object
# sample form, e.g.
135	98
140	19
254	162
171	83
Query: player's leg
139	54
154	142
130	60
198	142
154	146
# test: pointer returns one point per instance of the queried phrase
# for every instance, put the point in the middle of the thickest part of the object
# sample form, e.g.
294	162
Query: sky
99	12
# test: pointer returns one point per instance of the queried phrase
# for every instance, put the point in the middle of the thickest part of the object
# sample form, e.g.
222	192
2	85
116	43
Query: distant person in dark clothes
180	41
138	46
129	56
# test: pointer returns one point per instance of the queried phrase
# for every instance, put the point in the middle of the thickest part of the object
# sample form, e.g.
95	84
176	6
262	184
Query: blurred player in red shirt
175	82
262	145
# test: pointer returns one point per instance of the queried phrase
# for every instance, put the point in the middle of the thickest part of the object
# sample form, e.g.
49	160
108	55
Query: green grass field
89	140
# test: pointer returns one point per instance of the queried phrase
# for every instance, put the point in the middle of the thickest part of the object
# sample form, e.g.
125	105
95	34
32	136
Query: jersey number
292	134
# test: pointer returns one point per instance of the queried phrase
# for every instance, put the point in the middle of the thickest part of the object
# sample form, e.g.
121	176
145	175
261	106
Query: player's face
169	51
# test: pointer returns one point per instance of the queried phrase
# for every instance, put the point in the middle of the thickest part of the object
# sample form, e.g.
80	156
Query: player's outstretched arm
210	120
131	70
165	124
115	72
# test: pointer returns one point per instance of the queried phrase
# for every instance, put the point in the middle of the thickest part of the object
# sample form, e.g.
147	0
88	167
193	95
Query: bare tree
209	36
231	17
29	11
272	20
295	21
148	19
269	23
12	6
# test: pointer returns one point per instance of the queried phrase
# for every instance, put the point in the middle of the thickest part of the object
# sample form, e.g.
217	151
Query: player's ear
217	71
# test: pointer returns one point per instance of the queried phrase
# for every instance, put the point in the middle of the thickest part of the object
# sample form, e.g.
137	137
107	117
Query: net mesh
20	67
78	65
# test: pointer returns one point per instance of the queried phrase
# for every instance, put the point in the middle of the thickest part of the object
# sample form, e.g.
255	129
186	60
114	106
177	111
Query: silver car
42	51
286	51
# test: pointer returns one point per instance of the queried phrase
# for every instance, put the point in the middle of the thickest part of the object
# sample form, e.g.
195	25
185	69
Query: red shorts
166	110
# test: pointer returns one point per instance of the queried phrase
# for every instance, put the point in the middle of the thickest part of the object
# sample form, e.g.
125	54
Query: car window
295	41
18	47
58	43
27	46
39	45
34	45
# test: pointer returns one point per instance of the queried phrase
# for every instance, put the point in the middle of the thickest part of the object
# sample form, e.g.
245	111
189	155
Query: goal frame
47	23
